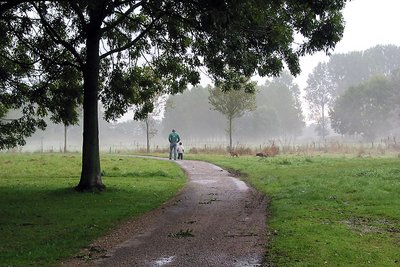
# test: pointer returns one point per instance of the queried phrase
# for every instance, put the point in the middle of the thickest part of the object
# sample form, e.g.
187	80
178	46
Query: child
180	149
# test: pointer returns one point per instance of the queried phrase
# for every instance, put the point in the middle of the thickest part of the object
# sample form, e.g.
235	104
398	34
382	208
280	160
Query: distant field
326	210
43	220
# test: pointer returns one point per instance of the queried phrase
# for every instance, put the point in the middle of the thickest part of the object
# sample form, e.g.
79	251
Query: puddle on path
163	261
242	186
252	261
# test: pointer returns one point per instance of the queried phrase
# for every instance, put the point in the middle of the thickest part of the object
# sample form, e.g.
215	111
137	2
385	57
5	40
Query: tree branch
131	43
56	38
9	5
200	7
43	56
20	63
78	12
122	18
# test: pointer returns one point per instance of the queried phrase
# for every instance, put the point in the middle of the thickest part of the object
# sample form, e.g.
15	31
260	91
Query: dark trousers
172	149
180	155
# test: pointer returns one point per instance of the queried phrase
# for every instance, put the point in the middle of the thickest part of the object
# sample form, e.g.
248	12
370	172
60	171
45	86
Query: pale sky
368	23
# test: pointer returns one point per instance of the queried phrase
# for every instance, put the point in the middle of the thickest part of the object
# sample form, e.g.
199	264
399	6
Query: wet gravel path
216	220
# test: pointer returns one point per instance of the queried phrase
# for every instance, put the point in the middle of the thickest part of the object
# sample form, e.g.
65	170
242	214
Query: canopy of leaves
320	90
320	94
353	68
49	49
366	109
233	103
281	97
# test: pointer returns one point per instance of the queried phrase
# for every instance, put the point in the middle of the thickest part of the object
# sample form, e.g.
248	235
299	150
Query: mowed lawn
43	220
326	210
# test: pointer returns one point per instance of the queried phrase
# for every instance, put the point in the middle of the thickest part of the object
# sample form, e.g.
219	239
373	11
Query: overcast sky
368	23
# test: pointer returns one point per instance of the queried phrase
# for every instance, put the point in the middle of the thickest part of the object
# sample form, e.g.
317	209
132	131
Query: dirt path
216	220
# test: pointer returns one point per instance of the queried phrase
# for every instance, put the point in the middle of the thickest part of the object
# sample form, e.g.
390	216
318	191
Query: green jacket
174	137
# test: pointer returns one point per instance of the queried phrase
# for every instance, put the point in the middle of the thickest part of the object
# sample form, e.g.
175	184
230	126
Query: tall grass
327	210
311	148
43	220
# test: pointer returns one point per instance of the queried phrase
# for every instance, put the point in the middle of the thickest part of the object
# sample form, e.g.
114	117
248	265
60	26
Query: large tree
355	67
282	96
110	44
233	102
366	109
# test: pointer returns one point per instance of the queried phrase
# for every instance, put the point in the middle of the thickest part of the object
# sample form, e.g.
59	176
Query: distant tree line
129	134
353	94
370	109
356	93
277	113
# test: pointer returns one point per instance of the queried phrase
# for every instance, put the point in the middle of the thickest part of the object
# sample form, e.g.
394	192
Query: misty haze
199	133
350	100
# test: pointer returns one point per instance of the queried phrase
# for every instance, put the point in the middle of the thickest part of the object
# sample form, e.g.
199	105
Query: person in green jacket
173	139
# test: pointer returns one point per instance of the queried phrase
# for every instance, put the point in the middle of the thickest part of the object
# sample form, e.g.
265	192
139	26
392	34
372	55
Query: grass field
43	220
326	210
323	210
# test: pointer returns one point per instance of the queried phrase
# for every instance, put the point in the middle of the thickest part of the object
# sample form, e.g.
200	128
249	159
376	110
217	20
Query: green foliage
281	98
353	68
148	47
112	44
331	80
326	211
13	131
233	102
320	92
139	87
13	79
3	111
64	96
366	109
43	220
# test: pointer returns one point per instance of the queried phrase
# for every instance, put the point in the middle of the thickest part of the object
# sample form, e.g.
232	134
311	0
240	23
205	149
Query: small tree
319	94
233	99
149	122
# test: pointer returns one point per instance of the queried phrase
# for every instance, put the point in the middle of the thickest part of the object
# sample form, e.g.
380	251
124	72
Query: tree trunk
65	138
323	122
147	135
91	172
230	134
